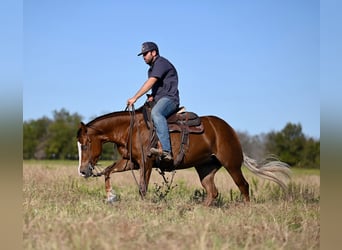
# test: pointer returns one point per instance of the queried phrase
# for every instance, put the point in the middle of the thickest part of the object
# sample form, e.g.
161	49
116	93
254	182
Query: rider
163	80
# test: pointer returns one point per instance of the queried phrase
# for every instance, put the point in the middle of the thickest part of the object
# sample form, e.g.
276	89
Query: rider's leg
163	108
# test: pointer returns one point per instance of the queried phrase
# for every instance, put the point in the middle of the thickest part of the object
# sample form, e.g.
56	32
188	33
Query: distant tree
61	143
35	133
292	147
56	138
311	154
287	144
110	152
253	146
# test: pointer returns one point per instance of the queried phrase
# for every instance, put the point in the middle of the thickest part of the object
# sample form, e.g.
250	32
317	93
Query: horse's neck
115	129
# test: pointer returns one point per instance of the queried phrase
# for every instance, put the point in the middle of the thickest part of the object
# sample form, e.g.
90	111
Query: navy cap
148	46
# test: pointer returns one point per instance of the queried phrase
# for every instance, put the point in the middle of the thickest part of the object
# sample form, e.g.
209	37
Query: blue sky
253	63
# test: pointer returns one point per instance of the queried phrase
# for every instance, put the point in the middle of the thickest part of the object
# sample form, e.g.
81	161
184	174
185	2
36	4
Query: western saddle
181	121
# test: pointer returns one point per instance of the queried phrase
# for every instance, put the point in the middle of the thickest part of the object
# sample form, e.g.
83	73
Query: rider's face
149	56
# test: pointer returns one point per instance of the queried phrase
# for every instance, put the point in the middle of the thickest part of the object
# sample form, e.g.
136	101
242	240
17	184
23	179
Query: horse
218	145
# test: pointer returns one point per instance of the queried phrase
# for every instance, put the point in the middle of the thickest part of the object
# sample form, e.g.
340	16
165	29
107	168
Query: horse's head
89	150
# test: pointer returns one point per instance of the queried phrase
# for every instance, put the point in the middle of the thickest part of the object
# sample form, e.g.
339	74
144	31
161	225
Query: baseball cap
148	46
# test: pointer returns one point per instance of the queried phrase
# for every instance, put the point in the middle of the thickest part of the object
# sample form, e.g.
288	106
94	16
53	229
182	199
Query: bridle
91	162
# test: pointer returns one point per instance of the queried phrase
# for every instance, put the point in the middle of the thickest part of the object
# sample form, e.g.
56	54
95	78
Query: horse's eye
84	147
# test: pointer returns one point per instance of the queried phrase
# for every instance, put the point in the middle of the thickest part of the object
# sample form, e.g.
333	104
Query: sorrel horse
217	146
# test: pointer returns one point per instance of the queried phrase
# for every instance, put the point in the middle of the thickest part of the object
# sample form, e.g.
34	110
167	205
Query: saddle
181	121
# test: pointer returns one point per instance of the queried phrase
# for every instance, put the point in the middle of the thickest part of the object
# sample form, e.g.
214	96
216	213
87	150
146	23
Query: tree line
55	138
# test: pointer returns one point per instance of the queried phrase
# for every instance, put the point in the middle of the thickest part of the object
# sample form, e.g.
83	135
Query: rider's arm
146	87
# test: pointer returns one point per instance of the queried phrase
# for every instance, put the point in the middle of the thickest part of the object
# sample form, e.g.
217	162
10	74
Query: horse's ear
83	127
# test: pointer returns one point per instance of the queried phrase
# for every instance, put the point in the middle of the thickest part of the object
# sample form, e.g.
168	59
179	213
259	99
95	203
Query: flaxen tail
273	170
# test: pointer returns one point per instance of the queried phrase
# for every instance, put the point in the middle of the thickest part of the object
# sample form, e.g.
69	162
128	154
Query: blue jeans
161	110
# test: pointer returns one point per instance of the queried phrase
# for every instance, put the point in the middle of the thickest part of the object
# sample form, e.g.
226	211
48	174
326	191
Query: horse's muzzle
88	172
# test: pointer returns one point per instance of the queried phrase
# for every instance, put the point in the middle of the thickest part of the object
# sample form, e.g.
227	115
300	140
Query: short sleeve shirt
167	83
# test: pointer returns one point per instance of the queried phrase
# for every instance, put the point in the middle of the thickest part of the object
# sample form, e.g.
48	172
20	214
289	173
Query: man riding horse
163	81
210	143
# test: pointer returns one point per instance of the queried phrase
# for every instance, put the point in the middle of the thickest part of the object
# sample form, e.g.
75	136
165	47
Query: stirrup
156	151
166	156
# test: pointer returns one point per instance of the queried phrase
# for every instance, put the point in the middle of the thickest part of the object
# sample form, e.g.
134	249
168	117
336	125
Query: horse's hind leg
240	181
207	174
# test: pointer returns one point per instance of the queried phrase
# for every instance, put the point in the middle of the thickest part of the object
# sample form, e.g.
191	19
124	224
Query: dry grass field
64	211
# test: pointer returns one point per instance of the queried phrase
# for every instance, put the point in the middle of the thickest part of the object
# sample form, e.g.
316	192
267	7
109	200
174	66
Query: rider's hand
150	98
131	101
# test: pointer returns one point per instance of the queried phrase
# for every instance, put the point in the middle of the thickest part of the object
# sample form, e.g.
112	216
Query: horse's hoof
112	199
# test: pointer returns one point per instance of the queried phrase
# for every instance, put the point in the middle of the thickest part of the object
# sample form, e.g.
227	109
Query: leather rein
129	148
130	142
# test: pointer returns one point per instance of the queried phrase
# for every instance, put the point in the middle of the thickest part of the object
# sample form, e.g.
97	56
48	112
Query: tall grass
64	211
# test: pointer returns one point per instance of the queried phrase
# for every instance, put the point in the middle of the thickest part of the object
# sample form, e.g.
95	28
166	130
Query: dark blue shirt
167	83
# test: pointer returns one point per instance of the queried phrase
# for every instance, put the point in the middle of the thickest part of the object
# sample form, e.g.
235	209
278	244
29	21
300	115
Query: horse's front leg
111	197
119	166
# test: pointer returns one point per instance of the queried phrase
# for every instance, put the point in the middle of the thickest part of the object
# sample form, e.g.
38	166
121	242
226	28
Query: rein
130	141
161	172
